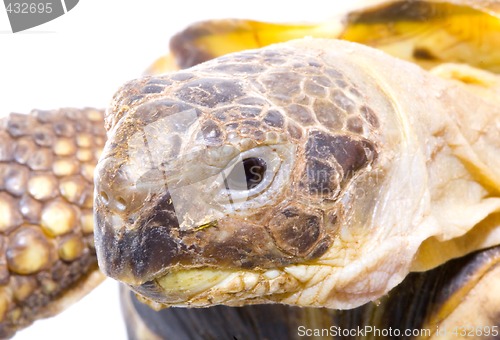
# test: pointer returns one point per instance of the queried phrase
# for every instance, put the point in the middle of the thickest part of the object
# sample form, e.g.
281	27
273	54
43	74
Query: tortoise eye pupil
246	175
255	169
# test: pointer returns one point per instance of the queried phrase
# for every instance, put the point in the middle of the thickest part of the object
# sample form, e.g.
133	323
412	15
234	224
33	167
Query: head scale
244	163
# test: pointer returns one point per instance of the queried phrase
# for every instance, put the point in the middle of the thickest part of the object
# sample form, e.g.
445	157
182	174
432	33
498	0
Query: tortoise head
227	182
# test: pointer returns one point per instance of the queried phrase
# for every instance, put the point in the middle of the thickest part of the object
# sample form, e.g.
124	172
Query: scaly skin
47	161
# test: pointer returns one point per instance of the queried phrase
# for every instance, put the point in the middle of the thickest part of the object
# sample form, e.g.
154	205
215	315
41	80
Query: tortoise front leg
48	260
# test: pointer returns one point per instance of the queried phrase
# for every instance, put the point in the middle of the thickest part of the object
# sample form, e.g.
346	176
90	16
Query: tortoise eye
254	177
254	169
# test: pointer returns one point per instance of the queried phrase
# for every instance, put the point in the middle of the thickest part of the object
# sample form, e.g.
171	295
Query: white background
79	60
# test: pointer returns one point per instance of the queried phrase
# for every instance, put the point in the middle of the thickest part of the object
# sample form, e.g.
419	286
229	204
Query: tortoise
368	196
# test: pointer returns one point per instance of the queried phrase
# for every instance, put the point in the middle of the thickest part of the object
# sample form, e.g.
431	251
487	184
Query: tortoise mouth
207	286
178	287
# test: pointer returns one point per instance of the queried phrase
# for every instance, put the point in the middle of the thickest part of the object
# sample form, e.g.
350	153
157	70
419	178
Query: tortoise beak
134	253
135	225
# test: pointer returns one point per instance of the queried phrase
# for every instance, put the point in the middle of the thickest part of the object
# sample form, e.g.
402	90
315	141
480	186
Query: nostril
104	197
121	204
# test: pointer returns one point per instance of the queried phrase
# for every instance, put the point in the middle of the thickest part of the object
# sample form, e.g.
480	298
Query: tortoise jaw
177	287
208	286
